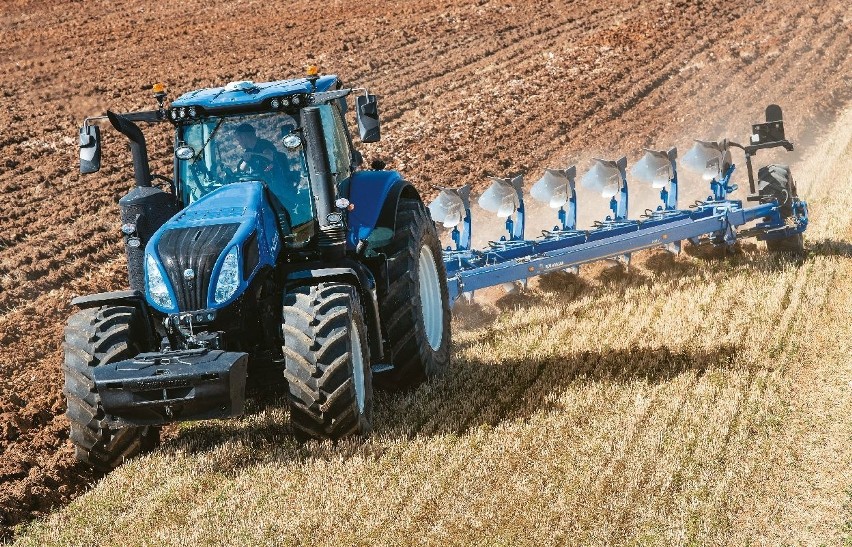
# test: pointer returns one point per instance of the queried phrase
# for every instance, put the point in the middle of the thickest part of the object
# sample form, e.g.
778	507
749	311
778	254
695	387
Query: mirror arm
149	116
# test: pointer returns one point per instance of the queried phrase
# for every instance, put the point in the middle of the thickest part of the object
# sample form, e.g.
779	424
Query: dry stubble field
590	410
686	401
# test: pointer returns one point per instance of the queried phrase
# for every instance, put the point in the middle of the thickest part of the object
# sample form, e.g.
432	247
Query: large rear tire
327	362
776	182
94	337
415	308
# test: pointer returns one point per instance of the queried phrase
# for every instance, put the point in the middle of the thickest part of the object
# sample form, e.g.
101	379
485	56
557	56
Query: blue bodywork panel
242	203
218	97
368	192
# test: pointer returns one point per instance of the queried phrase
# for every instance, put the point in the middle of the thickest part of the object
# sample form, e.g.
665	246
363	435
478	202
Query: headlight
157	288
184	152
229	277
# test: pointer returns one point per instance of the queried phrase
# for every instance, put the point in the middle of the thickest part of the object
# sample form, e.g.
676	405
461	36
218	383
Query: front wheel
415	307
95	337
327	362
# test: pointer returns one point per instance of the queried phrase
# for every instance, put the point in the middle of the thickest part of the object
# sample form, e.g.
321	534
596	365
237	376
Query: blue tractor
269	256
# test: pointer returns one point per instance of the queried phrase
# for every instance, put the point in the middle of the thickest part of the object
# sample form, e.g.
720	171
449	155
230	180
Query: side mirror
367	114
90	149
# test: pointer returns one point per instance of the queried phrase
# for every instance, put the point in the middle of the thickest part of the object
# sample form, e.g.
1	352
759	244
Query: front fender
357	275
375	195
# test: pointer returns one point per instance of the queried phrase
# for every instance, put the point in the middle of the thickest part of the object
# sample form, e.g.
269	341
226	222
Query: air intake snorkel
331	238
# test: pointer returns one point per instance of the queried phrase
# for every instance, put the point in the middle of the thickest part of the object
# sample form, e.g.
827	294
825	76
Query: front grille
196	248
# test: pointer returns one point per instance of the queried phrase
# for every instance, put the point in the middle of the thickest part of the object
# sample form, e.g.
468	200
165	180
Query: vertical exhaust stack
141	169
145	208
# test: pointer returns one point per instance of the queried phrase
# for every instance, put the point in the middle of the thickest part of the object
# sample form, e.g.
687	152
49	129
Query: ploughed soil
467	90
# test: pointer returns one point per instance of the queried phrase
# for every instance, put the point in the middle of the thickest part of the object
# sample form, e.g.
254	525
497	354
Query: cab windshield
232	149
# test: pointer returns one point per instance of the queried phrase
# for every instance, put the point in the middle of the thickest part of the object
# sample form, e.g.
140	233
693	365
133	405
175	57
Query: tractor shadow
829	247
473	392
485	390
481	391
232	444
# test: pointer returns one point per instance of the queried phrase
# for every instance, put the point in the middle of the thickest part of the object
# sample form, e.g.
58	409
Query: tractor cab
246	132
281	149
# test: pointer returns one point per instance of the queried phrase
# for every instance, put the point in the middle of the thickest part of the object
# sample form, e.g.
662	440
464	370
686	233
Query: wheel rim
357	366
431	306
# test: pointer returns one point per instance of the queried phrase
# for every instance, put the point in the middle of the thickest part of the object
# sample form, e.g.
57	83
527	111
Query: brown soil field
468	90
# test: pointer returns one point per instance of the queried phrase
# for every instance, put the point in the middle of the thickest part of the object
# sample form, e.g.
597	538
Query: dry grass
688	401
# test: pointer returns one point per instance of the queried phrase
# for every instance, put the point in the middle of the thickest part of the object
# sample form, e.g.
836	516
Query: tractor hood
207	255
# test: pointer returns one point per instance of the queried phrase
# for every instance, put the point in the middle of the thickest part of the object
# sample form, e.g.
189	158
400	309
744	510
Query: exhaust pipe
145	208
141	169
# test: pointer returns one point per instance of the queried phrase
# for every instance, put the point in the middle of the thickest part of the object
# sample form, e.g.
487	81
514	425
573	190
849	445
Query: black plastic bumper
158	388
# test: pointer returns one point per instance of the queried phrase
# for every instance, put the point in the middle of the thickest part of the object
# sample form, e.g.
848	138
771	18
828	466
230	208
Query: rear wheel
96	337
776	182
327	362
415	307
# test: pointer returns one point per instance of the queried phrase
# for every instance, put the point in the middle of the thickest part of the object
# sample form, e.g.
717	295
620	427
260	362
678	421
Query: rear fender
357	275
375	196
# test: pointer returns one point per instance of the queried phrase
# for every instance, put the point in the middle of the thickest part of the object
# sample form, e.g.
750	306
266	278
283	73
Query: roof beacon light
312	70
654	168
603	177
705	157
159	90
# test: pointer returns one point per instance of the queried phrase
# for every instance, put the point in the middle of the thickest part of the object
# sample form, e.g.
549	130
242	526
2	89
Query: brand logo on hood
189	274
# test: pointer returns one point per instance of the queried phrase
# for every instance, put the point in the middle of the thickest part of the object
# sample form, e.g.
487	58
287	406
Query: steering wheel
254	163
203	178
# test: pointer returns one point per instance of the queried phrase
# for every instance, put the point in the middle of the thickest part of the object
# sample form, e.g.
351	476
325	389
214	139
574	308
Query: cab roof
248	94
